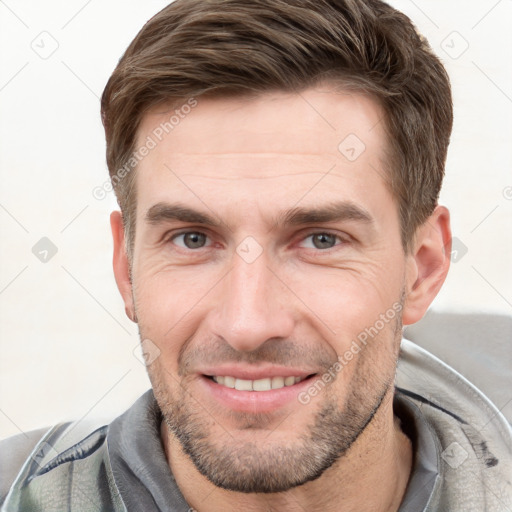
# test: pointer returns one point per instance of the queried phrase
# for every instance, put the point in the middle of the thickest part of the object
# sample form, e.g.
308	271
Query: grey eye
323	240
191	240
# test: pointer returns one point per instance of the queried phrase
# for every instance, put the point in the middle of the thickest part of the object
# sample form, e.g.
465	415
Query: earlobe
121	264
428	264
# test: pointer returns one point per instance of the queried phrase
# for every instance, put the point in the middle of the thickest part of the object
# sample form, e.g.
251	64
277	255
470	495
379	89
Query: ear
427	264
121	264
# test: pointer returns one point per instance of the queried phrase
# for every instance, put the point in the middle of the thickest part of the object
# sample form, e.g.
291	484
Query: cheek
166	296
357	310
367	362
168	309
351	298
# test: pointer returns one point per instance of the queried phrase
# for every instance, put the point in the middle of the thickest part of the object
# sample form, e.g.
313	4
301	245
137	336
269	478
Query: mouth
258	385
264	394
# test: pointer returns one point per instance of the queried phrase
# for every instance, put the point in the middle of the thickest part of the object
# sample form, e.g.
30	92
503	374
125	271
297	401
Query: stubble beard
265	467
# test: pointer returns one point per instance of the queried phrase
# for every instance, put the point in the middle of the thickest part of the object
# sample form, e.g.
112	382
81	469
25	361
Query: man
278	165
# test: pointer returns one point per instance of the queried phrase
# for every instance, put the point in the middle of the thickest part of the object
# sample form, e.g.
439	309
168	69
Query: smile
252	389
265	384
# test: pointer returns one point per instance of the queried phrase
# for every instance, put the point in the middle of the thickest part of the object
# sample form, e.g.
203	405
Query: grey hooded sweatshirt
462	453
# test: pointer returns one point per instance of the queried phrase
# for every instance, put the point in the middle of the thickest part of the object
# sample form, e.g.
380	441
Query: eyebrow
332	212
162	212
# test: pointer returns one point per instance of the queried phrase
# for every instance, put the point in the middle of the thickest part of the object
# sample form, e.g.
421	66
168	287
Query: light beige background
67	349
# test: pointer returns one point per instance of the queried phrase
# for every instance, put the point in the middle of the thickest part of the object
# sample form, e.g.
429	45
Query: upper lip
255	372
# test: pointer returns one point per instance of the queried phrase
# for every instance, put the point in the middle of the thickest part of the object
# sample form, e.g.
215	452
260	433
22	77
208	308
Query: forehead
285	141
218	125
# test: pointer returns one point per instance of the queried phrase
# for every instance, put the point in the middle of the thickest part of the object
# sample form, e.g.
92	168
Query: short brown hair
236	47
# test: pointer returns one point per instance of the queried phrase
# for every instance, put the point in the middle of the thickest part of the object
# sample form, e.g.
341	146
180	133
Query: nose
253	306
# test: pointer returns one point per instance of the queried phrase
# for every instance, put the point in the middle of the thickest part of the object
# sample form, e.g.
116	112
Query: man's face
266	243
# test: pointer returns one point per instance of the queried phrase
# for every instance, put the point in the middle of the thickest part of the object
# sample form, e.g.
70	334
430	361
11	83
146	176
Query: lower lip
255	401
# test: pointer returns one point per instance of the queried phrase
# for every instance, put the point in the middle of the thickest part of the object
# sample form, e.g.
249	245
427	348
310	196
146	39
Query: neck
372	476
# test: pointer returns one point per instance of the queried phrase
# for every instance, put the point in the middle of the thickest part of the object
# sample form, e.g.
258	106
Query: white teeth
289	381
243	385
277	382
229	382
256	385
262	385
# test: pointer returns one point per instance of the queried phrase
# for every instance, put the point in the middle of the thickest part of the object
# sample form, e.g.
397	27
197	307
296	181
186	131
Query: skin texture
282	297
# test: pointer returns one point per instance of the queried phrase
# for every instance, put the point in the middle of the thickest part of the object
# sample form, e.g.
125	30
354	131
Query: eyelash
340	240
176	235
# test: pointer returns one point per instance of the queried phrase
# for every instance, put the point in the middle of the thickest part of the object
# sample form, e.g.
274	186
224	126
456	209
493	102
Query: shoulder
57	467
15	450
69	466
474	439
